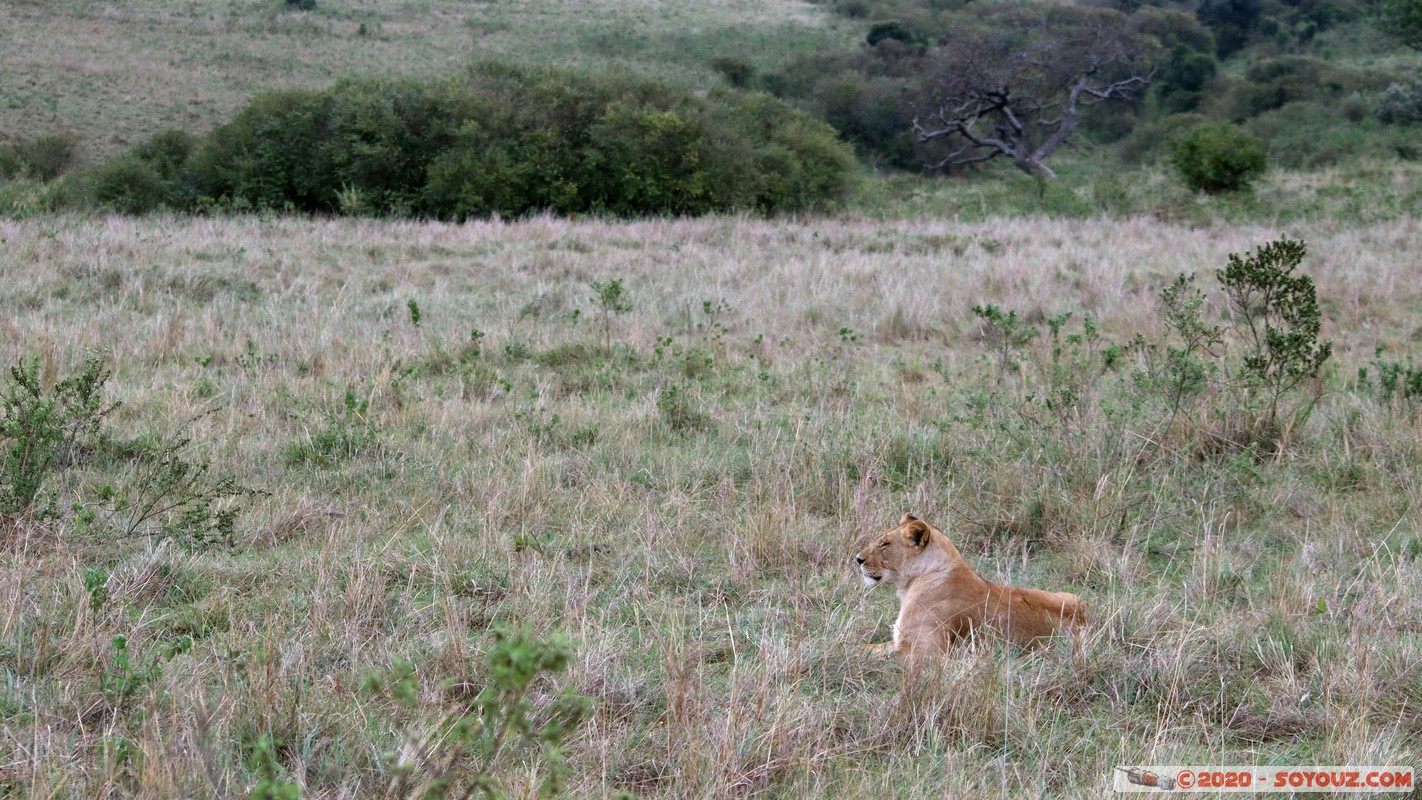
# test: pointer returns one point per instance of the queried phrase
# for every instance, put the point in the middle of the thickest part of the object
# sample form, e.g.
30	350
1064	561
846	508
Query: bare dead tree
1017	87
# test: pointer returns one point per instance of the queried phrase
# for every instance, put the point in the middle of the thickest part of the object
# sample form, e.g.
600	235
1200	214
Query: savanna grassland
299	505
450	432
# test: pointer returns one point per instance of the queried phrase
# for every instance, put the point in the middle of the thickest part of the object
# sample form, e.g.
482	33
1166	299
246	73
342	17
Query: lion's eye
883	544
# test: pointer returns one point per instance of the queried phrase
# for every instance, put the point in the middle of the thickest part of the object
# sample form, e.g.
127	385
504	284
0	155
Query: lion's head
885	557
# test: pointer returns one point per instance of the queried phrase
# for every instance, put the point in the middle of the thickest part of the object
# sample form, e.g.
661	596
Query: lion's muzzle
869	576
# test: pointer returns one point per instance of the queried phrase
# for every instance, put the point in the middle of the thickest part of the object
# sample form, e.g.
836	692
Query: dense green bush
872	95
1218	158
1316	134
150	176
1276	82
526	140
41	158
867	96
1181	81
499	140
870	113
1232	22
1401	20
274	154
1400	103
1176	29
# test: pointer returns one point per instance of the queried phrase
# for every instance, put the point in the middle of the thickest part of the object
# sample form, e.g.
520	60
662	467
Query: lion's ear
916	533
907	518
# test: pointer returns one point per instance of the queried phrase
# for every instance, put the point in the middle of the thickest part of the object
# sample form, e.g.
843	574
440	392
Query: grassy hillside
115	73
445	442
112	75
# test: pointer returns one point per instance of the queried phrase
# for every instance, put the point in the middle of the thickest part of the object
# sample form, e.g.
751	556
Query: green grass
116	74
684	507
1360	192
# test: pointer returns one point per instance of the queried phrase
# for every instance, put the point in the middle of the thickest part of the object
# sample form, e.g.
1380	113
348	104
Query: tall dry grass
684	507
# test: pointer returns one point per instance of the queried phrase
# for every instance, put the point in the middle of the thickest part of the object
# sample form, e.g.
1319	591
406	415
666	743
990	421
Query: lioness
942	600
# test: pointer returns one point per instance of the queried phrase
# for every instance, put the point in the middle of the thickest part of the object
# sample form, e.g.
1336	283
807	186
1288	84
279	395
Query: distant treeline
1284	82
499	140
1282	76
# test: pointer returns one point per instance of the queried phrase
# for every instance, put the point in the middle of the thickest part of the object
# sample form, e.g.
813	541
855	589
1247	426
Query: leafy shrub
864	94
263	761
1317	134
47	433
348	432
1241	388
500	140
301	5
1176	29
379	137
1182	79
1273	83
127	185
869	113
1005	335
1354	109
174	495
42	430
680	411
1401	20
611	298
1183	368
1400	103
273	154
649	159
42	158
571	143
1218	158
766	156
1395	379
504	725
149	177
1277	317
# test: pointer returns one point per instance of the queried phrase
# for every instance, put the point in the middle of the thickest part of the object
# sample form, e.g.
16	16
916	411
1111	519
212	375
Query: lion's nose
859	559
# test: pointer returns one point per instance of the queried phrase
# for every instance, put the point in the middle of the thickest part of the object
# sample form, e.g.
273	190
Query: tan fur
942	600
